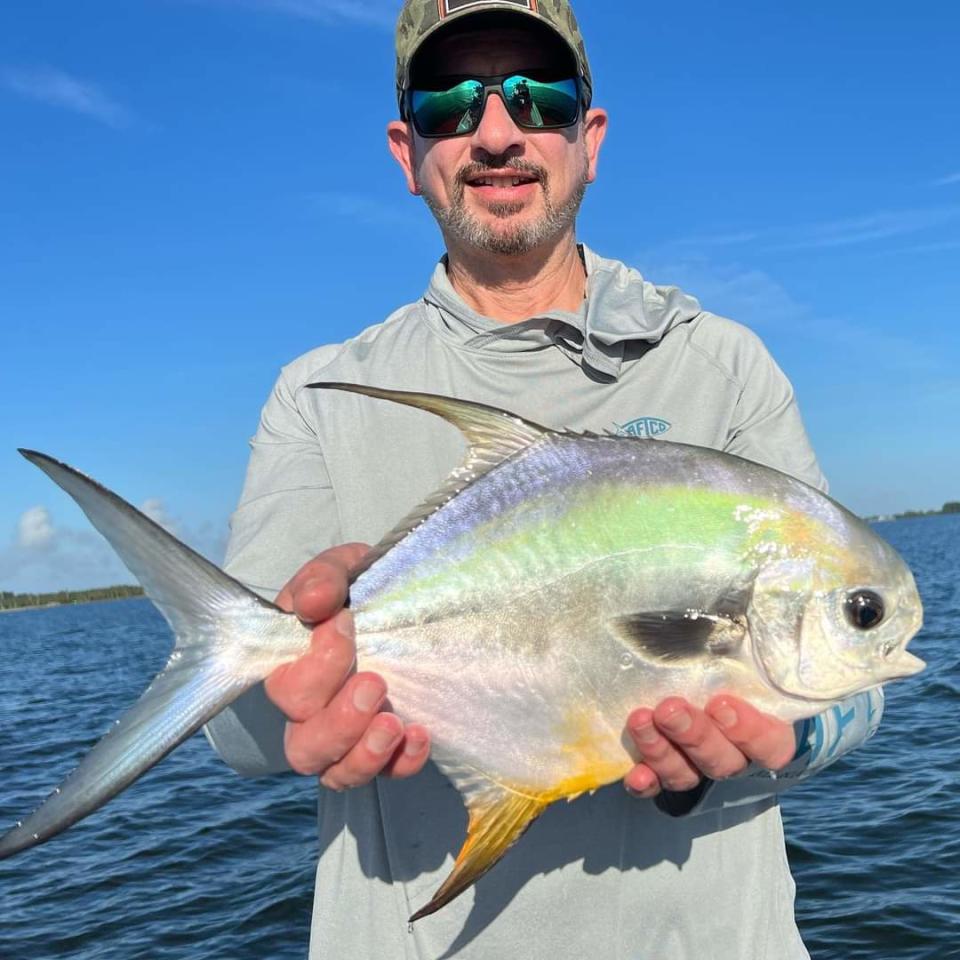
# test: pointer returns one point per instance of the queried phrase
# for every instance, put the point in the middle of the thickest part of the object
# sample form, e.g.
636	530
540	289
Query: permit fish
555	582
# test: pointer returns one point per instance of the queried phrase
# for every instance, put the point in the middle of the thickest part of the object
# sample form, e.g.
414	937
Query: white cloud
35	529
59	89
948	180
156	510
842	232
373	13
720	239
876	226
936	246
758	300
360	209
746	294
42	557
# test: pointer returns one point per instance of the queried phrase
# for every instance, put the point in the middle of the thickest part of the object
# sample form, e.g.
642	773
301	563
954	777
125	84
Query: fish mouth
904	664
900	662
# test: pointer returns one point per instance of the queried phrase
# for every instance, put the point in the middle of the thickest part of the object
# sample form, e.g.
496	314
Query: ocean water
874	841
194	863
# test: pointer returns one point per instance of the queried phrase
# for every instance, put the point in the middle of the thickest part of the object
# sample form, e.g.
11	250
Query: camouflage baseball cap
420	19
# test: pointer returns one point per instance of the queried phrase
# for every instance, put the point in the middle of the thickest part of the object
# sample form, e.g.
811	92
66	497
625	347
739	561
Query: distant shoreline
11	602
68	603
910	515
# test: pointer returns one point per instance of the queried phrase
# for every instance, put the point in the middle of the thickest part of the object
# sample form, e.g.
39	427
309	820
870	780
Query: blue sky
193	192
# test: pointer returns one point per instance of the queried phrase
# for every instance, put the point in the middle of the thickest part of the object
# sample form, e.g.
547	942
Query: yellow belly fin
498	818
591	755
500	813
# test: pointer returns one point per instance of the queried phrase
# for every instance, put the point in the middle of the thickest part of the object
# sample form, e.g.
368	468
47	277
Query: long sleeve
287	514
821	741
766	426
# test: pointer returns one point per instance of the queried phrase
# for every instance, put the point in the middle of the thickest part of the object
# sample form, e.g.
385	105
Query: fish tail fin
227	639
498	818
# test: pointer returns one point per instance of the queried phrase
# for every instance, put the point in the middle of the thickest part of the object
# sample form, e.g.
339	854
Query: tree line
14	601
952	506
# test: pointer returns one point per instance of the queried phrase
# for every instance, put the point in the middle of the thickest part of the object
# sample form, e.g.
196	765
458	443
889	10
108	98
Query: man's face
502	188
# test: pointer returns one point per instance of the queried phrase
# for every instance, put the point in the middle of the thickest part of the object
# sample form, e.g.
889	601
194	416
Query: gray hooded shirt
607	875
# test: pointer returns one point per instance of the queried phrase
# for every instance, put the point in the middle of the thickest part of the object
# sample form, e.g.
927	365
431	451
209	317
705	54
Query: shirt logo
645	427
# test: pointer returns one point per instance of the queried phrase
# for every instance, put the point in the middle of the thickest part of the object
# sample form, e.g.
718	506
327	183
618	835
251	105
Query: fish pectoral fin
668	636
498	818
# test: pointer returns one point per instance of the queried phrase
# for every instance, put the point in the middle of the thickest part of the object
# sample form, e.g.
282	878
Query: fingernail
725	715
344	625
646	733
367	696
640	790
311	585
380	740
413	746
679	721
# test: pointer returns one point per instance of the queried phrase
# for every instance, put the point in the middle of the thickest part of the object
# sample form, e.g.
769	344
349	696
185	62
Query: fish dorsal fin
498	818
493	435
668	636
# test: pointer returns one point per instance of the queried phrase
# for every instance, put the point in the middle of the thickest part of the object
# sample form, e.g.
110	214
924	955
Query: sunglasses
532	104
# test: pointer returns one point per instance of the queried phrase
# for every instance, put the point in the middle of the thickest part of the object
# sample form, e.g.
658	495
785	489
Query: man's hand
679	744
335	725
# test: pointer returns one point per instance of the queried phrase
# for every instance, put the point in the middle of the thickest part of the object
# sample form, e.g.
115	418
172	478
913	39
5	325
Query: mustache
479	167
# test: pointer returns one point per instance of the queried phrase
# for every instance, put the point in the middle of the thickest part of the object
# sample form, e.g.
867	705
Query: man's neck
512	288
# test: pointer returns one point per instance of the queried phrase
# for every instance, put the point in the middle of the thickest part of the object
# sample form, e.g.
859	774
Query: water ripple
174	869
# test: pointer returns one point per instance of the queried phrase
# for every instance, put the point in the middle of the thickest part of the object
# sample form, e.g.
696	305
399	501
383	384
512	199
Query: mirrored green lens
444	113
533	103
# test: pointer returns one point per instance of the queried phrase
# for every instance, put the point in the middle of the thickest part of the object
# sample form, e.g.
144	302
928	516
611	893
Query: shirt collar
619	307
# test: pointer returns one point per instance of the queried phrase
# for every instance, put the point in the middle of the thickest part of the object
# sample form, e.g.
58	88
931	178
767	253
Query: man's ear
594	130
400	142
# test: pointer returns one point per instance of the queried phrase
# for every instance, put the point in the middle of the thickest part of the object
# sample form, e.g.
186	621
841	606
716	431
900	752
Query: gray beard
457	222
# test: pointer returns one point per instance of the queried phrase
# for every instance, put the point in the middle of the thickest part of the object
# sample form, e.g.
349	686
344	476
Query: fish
553	583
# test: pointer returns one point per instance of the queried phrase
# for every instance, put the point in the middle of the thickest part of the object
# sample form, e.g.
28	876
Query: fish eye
864	609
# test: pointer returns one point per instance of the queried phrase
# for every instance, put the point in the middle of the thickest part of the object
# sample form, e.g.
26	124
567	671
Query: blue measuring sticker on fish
555	581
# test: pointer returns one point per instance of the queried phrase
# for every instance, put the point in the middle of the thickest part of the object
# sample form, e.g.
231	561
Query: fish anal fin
498	818
500	812
662	637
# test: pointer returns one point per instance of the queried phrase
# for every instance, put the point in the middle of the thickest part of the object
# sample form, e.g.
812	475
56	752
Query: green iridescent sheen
656	528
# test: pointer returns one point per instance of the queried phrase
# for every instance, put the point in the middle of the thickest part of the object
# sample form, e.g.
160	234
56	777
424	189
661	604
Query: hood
619	307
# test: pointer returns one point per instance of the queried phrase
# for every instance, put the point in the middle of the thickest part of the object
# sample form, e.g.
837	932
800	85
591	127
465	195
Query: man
499	136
